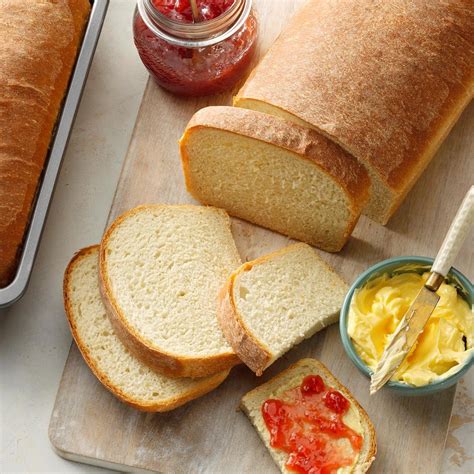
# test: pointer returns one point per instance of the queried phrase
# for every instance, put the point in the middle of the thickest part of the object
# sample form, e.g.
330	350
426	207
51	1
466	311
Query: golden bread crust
248	349
39	43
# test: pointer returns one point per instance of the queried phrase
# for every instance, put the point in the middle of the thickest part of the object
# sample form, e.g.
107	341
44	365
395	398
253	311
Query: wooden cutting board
209	435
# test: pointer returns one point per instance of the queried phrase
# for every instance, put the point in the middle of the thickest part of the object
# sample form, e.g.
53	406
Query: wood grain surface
209	435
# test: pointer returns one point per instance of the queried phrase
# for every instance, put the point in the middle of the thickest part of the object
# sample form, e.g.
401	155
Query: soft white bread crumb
275	174
121	373
274	302
290	378
161	270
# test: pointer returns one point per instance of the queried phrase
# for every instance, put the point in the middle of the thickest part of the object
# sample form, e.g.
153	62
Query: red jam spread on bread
307	423
196	71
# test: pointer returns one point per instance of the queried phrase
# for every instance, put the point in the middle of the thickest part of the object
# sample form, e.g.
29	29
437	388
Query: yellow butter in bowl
447	341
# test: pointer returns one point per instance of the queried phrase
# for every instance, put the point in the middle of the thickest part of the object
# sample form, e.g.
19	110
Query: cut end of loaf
382	202
252	401
275	174
122	374
274	302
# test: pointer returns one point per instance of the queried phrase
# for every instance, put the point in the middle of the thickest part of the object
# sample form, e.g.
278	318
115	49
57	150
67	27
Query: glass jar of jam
194	57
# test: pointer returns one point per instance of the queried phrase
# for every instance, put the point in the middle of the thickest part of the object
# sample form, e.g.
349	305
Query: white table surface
34	337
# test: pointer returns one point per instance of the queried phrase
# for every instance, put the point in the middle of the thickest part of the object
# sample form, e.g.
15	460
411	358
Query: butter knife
415	319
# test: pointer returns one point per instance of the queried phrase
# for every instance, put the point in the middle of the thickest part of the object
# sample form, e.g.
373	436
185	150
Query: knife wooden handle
456	235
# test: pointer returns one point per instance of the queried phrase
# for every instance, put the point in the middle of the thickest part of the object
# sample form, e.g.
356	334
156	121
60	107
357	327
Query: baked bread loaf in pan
39	43
385	79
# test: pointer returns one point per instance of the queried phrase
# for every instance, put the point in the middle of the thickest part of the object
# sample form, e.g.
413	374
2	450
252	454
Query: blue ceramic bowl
392	265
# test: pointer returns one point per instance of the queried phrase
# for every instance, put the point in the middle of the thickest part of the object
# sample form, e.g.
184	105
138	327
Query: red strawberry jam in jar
194	57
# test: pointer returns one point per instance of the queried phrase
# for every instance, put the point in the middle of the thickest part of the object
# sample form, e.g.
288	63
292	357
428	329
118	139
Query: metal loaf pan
17	287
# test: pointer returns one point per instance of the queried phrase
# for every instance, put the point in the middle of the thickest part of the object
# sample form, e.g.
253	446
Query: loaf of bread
122	374
39	40
161	270
275	174
291	378
385	79
274	302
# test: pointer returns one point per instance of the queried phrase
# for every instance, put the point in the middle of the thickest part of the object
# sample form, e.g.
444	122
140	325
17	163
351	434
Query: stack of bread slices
163	308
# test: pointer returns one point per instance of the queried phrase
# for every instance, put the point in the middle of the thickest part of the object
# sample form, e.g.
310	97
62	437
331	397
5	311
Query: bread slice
251	405
161	269
275	174
274	302
121	373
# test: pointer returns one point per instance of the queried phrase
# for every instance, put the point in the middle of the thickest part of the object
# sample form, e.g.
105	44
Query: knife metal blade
404	337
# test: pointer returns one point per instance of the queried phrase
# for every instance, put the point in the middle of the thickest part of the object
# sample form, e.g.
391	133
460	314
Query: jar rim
195	35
